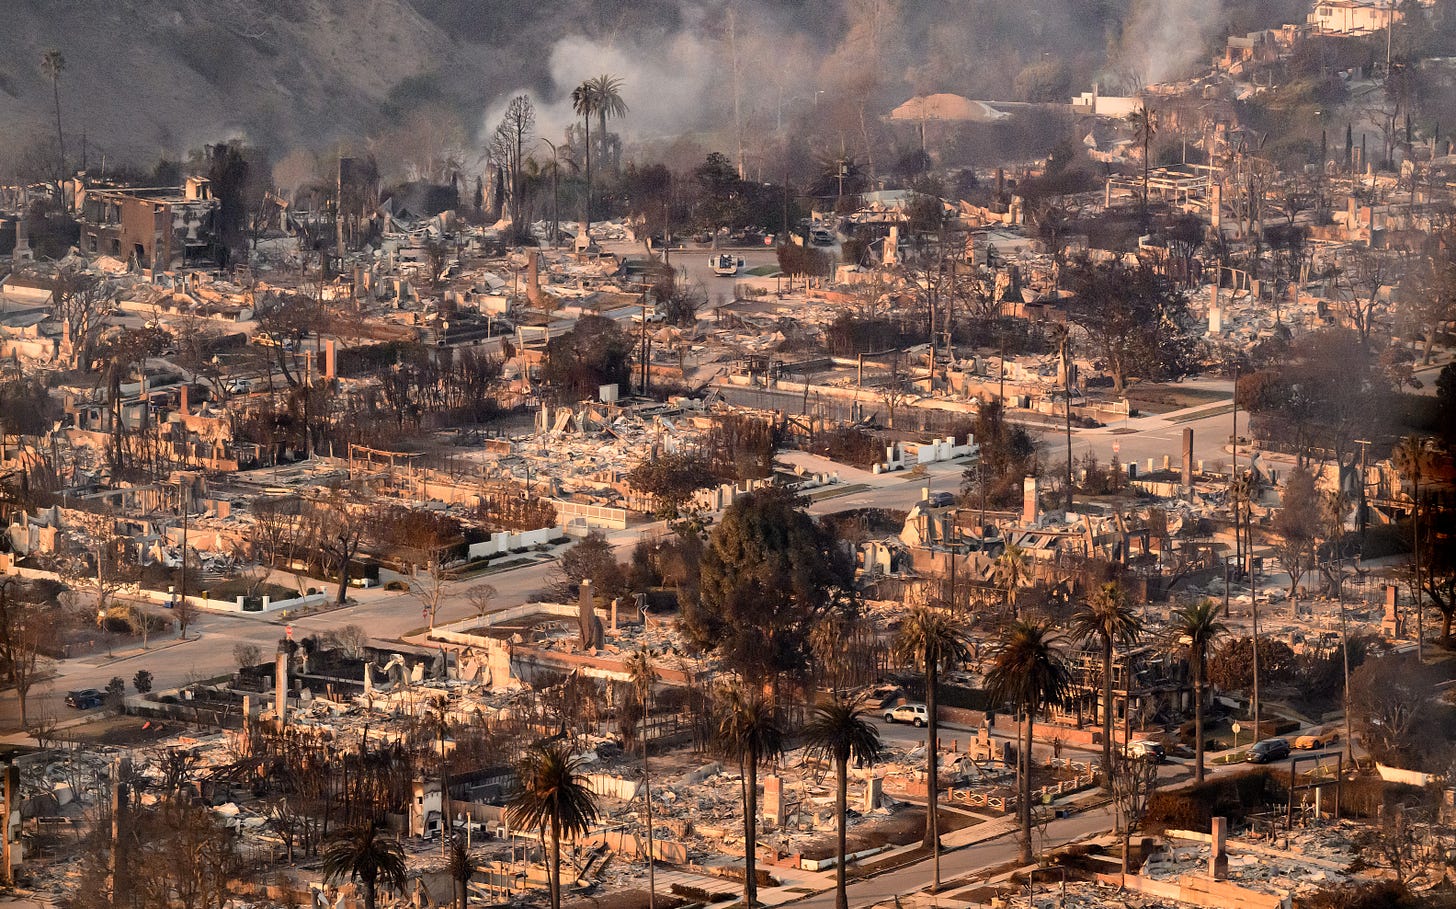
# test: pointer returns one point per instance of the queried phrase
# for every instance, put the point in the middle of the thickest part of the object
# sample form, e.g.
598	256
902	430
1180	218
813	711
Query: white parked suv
914	714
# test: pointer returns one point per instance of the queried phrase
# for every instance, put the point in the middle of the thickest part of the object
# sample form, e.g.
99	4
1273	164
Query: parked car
85	699
1318	737
914	714
1145	750
941	499
1269	750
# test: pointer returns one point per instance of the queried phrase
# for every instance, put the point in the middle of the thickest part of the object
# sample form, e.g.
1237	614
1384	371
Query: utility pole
644	344
182	579
1345	646
1234	471
1254	589
339	211
1001	395
1067	371
1389	32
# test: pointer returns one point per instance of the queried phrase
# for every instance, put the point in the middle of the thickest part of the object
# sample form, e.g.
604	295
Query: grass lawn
1204	413
1151	398
228	590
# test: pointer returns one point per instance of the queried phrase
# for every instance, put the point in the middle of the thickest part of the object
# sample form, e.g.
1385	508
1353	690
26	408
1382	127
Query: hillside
147	78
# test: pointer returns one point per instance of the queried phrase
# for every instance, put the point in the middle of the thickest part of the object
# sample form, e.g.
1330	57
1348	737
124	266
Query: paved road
962	862
691	262
386	615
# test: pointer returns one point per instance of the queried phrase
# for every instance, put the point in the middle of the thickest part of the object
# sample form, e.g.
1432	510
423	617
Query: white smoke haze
1163	39
665	88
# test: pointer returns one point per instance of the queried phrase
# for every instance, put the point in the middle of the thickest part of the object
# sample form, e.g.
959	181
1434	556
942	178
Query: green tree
554	794
672	479
929	640
750	732
596	352
362	855
839	732
1136	319
1029	671
768	573
721	192
116	694
1193	632
1111	619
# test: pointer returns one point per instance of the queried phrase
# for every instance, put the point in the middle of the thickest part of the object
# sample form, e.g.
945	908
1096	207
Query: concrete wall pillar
1030	504
585	613
533	276
874	789
1218	853
1187	457
773	801
280	684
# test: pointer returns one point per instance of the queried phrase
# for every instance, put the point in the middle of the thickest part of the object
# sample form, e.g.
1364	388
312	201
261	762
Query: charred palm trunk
841	809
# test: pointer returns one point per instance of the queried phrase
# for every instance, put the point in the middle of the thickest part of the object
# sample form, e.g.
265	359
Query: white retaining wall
503	542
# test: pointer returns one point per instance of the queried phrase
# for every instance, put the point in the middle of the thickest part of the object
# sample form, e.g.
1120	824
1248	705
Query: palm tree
438	722
362	855
553	793
839	732
584	102
559	153
1144	127
52	64
599	97
929	640
1244	488
830	643
749	731
1010	570
462	869
608	92
1412	459
639	667
1110	618
1028	670
1194	629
